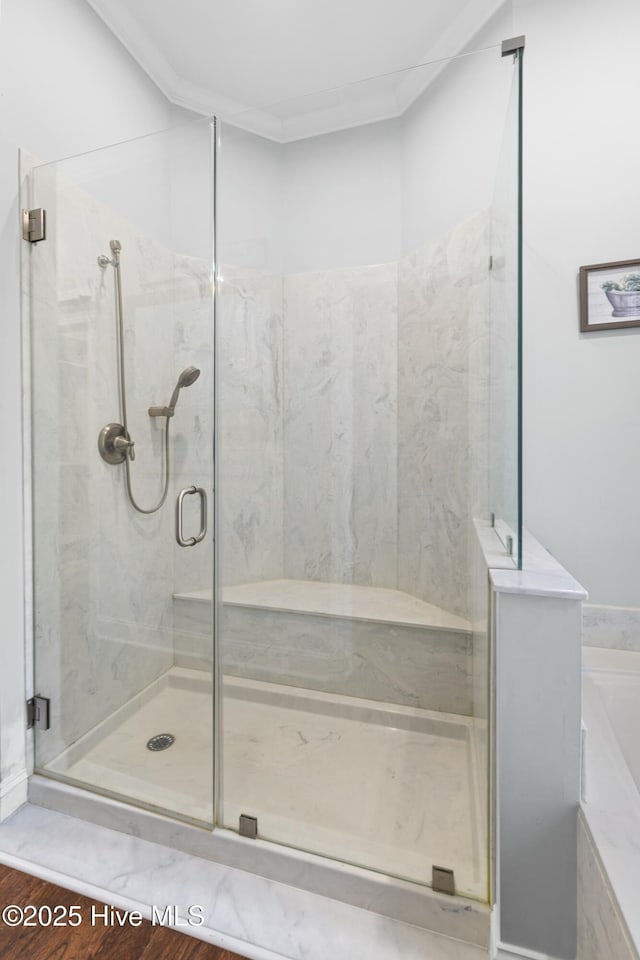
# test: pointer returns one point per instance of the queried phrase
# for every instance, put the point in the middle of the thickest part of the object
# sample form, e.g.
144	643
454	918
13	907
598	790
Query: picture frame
610	296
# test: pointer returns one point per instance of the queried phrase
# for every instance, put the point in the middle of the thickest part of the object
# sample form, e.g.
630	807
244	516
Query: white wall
342	201
323	203
451	140
582	391
66	86
250	197
372	193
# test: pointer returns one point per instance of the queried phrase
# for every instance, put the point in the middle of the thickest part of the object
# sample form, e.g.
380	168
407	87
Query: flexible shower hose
116	248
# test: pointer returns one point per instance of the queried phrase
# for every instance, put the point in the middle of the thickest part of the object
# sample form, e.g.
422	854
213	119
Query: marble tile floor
388	788
255	917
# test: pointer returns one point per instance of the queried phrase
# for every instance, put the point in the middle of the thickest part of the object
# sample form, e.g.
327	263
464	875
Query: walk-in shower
319	654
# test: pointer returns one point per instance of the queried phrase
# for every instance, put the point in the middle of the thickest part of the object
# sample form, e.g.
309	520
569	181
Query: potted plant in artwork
624	295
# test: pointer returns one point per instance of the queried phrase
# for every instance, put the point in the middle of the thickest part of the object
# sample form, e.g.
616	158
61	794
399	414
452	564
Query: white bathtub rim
611	806
609	784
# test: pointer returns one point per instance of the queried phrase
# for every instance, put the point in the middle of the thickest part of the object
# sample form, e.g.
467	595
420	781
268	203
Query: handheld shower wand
188	376
115	443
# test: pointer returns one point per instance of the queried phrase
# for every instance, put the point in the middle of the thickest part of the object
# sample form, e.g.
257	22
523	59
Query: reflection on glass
121	317
505	426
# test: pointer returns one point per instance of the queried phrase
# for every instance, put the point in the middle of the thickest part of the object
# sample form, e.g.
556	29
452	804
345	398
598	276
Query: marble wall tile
428	669
615	627
479	393
250	364
346	401
416	667
103	574
381	374
439	290
193	424
340	479
602	931
502	369
193	633
482	685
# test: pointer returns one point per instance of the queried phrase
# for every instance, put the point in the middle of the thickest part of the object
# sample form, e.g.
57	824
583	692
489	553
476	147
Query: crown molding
388	105
454	42
137	44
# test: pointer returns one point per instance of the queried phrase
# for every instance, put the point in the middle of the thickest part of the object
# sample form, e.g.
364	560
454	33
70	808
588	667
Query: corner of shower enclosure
505	502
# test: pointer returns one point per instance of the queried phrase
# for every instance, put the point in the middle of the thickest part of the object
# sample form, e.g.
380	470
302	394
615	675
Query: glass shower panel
122	397
353	320
505	403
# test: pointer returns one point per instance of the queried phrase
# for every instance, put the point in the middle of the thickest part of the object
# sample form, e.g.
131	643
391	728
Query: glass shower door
121	323
354	344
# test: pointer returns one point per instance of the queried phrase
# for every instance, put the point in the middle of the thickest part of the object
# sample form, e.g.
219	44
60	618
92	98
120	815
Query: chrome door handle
189	491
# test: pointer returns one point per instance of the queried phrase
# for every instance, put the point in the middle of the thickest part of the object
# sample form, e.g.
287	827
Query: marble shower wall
340	433
308	417
344	438
104	575
503	384
193	424
443	319
355	420
251	442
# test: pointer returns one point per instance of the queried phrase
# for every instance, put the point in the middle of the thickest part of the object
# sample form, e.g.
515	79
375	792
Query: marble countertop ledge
542	575
377	604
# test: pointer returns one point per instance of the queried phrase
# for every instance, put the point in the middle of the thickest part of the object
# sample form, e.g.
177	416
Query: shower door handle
180	538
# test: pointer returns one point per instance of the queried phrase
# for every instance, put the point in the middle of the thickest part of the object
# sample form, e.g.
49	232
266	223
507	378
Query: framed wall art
610	296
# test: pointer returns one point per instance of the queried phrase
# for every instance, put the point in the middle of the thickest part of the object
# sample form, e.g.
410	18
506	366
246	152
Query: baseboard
13	794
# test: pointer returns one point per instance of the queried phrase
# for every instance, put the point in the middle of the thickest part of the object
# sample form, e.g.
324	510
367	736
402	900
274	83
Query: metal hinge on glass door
39	713
443	880
248	826
34	225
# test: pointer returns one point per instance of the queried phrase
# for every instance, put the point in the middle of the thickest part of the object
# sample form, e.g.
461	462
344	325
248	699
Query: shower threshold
390	788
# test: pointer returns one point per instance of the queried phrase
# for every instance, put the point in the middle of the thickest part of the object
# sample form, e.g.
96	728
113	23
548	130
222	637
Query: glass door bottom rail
390	788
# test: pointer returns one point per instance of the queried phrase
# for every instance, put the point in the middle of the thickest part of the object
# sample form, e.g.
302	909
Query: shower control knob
125	446
114	444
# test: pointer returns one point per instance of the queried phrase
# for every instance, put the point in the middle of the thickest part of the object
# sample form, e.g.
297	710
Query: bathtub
611	776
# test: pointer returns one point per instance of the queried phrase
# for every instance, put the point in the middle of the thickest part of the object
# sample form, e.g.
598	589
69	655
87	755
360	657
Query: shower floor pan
394	789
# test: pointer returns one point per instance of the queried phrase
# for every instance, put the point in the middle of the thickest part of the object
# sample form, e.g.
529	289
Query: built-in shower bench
370	642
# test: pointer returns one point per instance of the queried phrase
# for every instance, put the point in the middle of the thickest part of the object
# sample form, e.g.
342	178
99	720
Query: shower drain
161	741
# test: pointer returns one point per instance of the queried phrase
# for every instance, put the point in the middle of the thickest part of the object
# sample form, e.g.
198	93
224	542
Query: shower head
188	376
116	247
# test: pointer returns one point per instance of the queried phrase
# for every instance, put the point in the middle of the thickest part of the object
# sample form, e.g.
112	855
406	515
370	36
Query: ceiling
232	57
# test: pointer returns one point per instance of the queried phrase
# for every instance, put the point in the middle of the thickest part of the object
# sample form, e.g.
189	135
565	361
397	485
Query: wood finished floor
86	942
